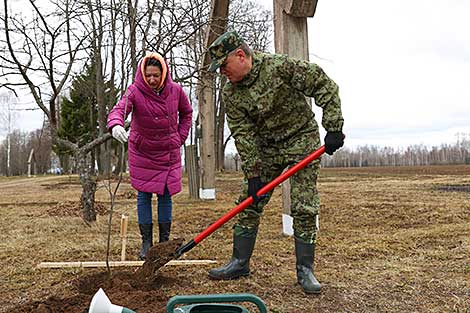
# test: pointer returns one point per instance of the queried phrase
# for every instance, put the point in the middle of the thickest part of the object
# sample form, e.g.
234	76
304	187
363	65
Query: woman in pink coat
161	118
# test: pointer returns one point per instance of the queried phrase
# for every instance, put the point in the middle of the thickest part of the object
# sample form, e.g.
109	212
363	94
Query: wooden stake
124	220
118	263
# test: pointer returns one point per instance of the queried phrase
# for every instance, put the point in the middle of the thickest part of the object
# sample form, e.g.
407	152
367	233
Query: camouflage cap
221	48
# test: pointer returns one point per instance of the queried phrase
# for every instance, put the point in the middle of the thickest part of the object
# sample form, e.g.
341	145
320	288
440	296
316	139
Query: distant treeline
363	156
15	152
458	153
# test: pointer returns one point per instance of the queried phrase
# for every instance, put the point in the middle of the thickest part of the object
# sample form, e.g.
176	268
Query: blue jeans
144	207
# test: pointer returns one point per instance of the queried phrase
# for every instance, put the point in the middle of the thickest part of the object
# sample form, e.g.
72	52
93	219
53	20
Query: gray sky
403	68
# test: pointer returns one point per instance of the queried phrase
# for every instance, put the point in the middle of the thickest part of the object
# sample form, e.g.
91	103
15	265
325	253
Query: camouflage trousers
305	201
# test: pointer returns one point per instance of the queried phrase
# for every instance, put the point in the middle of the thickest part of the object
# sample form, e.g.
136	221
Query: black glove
333	141
254	184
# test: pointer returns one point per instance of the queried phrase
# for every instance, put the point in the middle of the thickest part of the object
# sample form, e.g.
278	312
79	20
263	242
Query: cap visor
214	66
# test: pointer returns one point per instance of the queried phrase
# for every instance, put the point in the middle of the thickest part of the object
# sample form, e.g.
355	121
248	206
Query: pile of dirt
125	288
135	289
54	304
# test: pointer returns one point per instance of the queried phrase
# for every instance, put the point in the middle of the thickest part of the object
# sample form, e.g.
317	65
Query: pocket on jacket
181	140
175	141
136	140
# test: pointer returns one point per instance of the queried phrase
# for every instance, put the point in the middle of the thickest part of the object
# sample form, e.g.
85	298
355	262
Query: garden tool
159	254
248	201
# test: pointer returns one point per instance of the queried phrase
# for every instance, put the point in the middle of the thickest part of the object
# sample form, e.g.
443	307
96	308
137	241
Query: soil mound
137	289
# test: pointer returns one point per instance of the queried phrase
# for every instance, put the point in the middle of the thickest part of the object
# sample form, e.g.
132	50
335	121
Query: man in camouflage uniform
274	127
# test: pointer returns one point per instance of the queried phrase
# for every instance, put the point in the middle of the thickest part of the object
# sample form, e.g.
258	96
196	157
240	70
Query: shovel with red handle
245	203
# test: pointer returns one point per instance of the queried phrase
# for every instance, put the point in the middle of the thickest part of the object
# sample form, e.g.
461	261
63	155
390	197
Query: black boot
164	231
239	265
146	231
305	254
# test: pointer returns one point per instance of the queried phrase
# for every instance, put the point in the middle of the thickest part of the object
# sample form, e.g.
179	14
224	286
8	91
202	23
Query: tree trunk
120	165
88	182
64	160
104	155
131	11
291	38
220	147
205	95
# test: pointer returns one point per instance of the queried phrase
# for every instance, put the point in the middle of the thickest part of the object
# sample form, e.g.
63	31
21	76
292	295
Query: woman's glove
119	133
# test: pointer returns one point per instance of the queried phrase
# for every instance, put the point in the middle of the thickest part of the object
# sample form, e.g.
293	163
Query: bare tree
43	51
47	48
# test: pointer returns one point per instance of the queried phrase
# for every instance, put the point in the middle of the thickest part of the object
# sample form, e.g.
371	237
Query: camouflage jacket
268	107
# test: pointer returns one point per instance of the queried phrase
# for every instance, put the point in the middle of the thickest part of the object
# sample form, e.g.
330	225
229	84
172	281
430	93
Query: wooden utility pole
217	26
31	163
291	38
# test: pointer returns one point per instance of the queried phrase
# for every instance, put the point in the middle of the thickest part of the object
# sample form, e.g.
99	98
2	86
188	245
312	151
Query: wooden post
124	220
291	38
207	142
83	264
217	25
31	163
192	170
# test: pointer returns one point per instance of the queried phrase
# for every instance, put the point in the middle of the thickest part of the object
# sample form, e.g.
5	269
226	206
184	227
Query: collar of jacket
253	74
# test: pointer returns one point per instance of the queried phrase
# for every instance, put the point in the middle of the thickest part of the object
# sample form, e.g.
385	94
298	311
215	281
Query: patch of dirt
123	287
74	208
134	289
60	185
459	188
54	304
137	289
129	194
115	178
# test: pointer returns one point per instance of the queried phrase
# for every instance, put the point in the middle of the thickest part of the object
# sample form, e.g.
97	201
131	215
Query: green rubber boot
305	255
239	265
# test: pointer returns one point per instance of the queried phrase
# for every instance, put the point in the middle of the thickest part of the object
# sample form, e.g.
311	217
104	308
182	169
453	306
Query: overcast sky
403	68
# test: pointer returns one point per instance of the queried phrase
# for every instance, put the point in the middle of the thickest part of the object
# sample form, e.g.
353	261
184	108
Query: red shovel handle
245	203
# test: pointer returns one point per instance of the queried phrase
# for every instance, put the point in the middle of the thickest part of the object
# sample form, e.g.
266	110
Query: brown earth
390	240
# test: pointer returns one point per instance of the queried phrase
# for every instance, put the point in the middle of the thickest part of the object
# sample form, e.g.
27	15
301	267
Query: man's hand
119	133
333	141
254	185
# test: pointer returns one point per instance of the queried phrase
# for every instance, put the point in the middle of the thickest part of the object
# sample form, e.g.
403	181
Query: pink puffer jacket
159	127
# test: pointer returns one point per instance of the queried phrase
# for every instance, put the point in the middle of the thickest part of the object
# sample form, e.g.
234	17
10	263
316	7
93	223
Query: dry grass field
390	240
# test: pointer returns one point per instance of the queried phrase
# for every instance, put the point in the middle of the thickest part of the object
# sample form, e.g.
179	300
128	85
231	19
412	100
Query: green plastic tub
214	303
